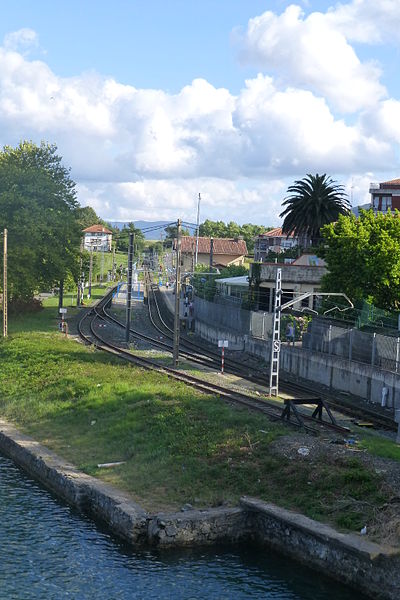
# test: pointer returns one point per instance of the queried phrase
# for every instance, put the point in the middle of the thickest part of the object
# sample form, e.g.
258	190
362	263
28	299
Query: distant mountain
143	225
356	209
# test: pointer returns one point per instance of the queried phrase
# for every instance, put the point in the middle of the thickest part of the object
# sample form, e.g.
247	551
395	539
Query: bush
20	306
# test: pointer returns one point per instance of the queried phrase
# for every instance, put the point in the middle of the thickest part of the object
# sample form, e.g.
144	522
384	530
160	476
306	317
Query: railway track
89	331
378	419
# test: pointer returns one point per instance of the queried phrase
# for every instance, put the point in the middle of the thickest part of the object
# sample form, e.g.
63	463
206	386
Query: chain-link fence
370	348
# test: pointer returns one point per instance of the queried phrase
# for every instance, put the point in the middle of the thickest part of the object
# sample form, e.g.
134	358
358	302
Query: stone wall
87	494
350	558
196	527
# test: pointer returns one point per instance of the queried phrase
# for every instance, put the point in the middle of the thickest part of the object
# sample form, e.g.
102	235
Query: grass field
179	446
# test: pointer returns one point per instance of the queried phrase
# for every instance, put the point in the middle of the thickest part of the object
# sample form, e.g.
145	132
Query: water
48	551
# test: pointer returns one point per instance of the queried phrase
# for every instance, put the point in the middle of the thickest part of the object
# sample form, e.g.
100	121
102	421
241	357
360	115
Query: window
386	203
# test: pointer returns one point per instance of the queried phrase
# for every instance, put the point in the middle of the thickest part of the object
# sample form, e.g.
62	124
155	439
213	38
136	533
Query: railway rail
378	419
90	333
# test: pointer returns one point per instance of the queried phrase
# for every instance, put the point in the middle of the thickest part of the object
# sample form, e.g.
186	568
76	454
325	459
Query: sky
151	103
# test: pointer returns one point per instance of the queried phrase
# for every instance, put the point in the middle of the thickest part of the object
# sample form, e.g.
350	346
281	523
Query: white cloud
312	52
242	201
368	21
145	154
22	40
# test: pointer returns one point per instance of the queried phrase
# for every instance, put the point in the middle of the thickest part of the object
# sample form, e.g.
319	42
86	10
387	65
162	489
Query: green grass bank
178	446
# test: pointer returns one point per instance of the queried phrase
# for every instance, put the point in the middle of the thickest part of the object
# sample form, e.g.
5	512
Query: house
273	241
97	238
225	252
385	196
301	276
236	288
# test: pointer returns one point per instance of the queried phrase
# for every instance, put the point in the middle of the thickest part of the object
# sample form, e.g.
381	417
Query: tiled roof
221	245
96	229
277	232
392	182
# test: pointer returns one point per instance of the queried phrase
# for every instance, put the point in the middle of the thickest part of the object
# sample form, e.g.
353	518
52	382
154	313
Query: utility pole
113	264
60	295
102	265
5	305
211	253
177	295
79	293
129	285
90	271
197	230
192	257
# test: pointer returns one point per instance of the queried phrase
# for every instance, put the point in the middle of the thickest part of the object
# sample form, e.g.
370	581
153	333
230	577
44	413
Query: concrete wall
292	273
340	375
366	566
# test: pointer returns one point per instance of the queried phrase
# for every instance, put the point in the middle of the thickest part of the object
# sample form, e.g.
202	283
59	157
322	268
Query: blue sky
161	44
152	102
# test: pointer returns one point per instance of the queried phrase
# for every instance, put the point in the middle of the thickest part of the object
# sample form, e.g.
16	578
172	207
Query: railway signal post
222	344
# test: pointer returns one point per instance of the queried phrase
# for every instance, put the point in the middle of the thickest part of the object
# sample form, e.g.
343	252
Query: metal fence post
330	339
397	354
350	344
373	349
263	327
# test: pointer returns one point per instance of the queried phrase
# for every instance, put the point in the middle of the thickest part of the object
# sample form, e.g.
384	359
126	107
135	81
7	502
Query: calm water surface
50	552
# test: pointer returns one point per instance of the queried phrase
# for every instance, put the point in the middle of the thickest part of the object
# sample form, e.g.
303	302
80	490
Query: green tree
171	232
86	217
38	206
363	257
312	203
249	232
213	229
219	229
122	238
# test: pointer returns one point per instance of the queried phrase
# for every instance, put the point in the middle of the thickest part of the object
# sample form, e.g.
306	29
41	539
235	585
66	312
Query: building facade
97	238
301	276
385	196
273	241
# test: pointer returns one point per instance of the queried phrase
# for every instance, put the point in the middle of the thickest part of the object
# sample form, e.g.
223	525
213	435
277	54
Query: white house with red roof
385	196
97	238
273	241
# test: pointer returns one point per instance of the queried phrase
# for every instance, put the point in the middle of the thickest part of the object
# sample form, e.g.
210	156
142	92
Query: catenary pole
177	295
5	304
129	286
197	229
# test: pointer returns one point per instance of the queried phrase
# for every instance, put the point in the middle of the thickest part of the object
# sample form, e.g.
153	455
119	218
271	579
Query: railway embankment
176	452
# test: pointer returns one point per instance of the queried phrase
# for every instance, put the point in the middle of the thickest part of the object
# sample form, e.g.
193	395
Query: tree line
39	208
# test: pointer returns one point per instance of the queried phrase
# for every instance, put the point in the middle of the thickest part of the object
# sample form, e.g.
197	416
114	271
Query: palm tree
313	202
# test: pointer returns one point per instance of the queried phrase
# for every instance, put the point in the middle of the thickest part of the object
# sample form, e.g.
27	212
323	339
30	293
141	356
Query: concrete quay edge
362	564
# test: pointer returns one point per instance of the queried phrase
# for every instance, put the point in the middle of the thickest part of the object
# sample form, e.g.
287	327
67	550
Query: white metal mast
276	342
